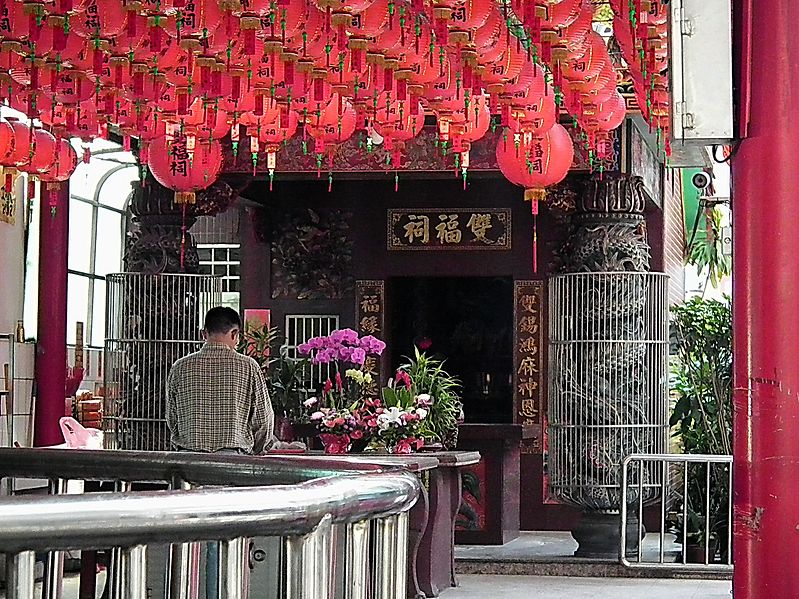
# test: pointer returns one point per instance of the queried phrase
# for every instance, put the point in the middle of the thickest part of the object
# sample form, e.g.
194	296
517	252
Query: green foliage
702	414
285	376
705	251
428	376
702	376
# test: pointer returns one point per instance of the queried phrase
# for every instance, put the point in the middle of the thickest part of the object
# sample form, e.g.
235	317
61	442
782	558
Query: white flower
317	416
309	402
424	399
421	412
367	378
387	419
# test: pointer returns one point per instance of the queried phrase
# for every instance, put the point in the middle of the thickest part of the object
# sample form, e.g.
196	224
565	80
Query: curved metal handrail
97	520
195	468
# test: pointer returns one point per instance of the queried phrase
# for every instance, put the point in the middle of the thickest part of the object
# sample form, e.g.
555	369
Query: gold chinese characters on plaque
370	317
449	229
528	370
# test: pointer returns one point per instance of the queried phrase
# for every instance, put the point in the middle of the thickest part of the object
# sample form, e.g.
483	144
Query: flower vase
335	444
284	429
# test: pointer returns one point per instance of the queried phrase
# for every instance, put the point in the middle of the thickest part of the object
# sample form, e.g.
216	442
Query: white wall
15	407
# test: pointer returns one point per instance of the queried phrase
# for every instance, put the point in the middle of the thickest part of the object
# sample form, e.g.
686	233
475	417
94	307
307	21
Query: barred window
302	327
223	260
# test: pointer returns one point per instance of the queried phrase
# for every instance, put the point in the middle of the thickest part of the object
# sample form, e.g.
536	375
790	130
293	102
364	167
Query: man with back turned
217	399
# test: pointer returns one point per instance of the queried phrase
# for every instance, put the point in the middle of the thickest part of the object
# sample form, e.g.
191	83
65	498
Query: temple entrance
469	323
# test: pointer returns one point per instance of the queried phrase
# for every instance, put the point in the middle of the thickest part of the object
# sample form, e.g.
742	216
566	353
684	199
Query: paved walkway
556	587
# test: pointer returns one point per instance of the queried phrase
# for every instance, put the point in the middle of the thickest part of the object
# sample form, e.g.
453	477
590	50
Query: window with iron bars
299	329
223	260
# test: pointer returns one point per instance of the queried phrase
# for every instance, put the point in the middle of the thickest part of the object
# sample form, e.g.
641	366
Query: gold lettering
418	227
479	224
448	231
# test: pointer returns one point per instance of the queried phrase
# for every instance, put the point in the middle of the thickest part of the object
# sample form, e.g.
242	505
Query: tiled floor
554	587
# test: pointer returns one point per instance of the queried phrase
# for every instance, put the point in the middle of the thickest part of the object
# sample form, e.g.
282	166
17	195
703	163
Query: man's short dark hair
222	319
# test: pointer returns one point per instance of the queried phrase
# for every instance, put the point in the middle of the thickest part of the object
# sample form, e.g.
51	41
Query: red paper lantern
44	153
536	162
183	169
99	19
7	141
65	163
22	148
332	126
199	18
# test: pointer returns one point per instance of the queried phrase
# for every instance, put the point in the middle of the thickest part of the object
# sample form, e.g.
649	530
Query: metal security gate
151	321
608	394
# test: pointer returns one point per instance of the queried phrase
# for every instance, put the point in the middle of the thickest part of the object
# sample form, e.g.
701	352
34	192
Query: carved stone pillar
159	241
591	380
609	230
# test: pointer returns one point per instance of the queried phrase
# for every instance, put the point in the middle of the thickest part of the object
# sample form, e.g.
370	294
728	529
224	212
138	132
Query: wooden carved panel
448	229
370	314
528	348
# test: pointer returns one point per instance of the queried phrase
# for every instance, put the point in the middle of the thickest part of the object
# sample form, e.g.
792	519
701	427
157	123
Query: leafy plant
702	414
704	249
285	376
428	376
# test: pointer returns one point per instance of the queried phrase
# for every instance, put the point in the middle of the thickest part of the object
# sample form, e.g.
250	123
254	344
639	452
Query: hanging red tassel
183	239
534	210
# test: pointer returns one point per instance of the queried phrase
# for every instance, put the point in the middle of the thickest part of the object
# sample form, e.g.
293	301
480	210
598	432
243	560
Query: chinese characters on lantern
370	316
449	229
528	372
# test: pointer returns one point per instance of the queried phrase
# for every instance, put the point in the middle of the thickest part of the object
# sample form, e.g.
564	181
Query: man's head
222	325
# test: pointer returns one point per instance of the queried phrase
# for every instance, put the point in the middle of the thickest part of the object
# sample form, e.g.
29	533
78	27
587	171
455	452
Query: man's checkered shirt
217	399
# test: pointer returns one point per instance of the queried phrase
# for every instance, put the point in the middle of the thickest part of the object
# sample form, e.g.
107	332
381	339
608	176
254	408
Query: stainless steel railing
313	510
694	500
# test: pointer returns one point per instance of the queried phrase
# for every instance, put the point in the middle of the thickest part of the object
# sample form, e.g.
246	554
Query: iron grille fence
695	510
151	321
608	392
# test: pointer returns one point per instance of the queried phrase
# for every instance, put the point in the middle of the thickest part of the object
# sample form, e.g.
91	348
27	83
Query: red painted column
51	345
766	310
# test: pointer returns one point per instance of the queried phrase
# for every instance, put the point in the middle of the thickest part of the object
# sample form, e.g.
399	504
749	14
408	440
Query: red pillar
765	315
51	345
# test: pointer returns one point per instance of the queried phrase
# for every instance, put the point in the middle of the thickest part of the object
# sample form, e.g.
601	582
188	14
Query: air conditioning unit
701	71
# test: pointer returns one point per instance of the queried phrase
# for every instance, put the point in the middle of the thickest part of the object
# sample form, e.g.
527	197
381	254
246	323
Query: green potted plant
285	376
702	416
428	377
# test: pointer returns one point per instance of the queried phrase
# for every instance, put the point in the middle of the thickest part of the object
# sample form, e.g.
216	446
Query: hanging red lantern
273	135
7	141
99	19
184	169
22	148
535	163
44	153
535	118
197	19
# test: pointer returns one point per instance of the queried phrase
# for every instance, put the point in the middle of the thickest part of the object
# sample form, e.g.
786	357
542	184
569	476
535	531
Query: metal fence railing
342	533
694	503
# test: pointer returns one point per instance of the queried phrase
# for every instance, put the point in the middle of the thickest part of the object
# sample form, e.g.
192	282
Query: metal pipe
117	570
356	560
135	572
233	568
664	459
403	524
99	520
304	577
53	582
384	559
20	575
198	468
